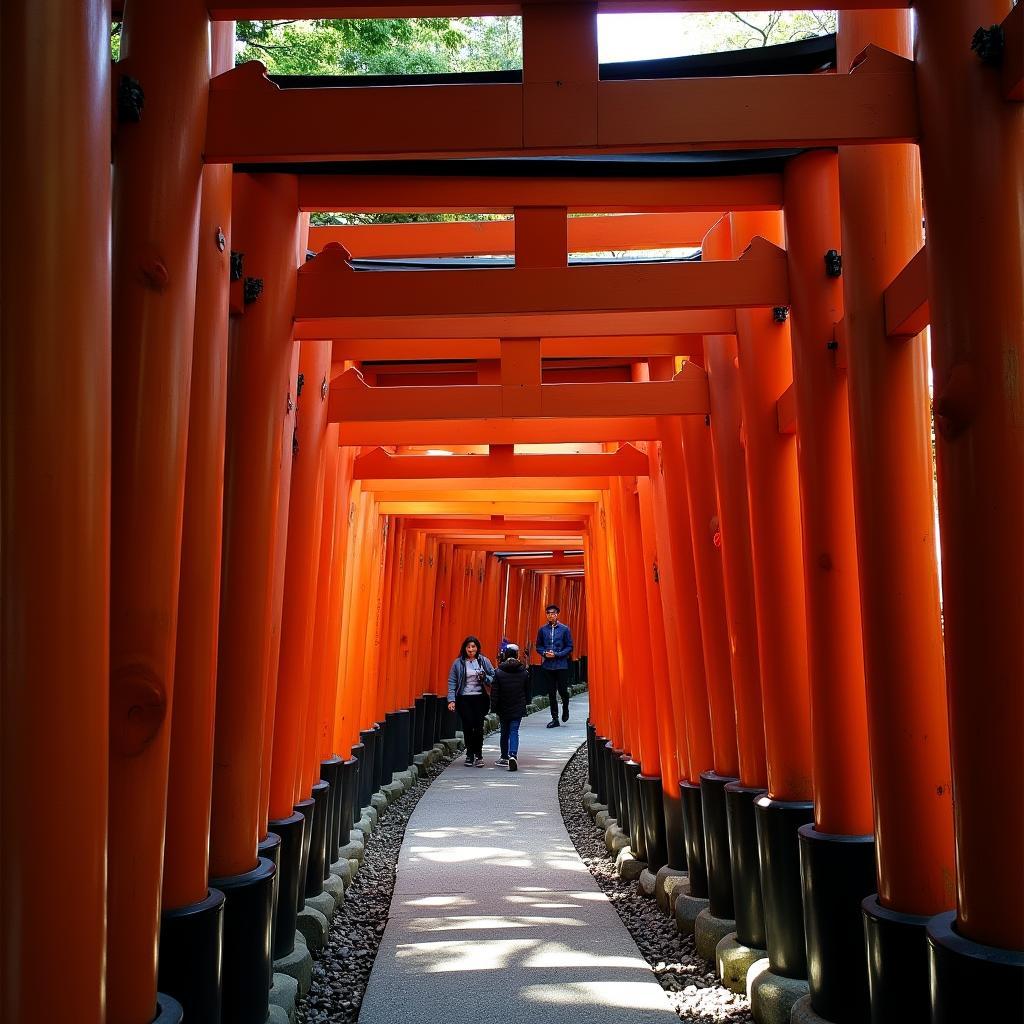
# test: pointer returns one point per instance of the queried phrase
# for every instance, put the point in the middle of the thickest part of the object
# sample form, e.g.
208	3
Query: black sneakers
565	712
513	763
553	724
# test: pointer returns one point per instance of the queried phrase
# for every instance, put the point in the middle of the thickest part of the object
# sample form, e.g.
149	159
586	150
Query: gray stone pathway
495	919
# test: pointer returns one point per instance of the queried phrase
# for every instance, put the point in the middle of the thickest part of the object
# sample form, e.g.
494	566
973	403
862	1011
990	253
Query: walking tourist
554	645
508	701
469	681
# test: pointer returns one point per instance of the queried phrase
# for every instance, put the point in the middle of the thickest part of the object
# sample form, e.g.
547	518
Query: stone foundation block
335	887
687	909
354	866
342	870
278	1015
708	931
392	791
733	960
379	801
298	964
283	993
627	866
665	885
648	883
453	745
313	925
615	839
603	819
772	997
352	850
324	902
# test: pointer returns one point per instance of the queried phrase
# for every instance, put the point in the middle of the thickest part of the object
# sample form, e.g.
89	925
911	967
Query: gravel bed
691	983
341	970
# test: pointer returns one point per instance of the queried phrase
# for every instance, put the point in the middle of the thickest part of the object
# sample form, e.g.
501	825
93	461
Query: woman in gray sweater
469	686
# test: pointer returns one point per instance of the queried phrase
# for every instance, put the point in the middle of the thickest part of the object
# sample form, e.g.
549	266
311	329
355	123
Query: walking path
495	919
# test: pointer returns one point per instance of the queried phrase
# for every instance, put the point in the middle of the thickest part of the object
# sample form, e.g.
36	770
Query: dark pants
472	710
558	686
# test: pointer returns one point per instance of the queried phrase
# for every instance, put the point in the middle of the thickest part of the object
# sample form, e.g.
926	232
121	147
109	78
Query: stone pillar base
708	931
773	996
665	885
688	908
733	960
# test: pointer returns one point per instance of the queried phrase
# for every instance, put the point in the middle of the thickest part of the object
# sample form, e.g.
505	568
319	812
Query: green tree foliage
740	30
381	46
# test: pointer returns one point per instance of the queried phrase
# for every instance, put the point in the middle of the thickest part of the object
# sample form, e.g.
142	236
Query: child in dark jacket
508	701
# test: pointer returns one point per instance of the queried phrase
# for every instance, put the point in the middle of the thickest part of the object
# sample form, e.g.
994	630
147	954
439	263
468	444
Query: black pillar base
838	872
629	809
391	744
440	705
169	1010
969	981
368	738
348	809
591	773
418	721
716	843
412	750
748	905
381	754
897	954
449	721
247	966
693	830
330	772
622	787
270	848
675	838
290	830
357	753
307	808
401	725
779	847
600	785
314	882
611	758
654	821
190	956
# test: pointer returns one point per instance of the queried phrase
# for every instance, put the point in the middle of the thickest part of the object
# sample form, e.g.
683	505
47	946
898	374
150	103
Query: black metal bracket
299	383
237	264
252	289
989	44
130	100
833	263
780	314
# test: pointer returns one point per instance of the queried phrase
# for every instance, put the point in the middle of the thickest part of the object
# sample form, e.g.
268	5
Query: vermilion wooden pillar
157	172
295	668
837	851
265	229
191	925
273	639
696	714
668	816
893	500
288	789
972	165
54	573
765	371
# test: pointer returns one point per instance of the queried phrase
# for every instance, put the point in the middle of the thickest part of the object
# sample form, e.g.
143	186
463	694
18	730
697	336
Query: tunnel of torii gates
234	574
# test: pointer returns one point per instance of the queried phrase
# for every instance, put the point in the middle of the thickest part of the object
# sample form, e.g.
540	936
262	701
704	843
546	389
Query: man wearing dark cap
554	645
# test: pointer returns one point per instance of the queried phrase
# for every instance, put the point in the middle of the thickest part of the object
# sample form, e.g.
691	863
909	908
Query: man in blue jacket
554	645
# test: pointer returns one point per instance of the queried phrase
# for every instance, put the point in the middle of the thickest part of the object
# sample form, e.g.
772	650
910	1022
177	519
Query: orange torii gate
807	730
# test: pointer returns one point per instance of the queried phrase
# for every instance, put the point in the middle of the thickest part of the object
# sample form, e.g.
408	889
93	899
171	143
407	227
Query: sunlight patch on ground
630	995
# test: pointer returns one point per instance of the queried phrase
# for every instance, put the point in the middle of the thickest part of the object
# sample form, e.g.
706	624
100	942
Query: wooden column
55	546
